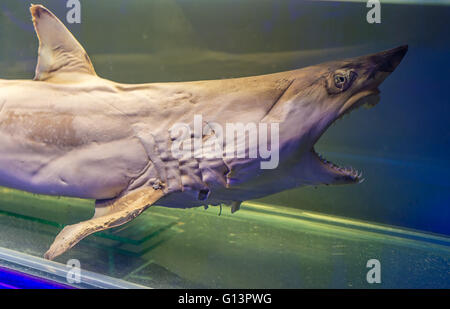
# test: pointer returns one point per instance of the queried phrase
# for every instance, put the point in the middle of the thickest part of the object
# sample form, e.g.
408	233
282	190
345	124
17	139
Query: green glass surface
261	246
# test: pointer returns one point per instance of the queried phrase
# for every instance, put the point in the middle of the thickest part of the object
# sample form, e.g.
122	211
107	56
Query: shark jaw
348	175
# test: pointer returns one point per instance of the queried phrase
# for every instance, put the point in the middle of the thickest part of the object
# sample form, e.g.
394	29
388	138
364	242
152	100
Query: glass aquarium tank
390	231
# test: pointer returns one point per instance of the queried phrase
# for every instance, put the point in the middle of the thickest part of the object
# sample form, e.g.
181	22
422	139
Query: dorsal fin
59	51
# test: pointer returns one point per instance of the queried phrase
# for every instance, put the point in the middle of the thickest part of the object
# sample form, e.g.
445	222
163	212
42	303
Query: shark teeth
347	171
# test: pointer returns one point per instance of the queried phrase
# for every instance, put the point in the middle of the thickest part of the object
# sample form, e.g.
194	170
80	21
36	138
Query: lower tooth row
352	172
349	170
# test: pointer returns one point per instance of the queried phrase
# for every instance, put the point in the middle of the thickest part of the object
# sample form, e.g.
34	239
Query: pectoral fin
59	51
108	214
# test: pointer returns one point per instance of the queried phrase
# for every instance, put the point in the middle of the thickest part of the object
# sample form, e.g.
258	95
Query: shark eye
340	81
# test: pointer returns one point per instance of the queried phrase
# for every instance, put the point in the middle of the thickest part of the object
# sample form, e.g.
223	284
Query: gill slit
278	99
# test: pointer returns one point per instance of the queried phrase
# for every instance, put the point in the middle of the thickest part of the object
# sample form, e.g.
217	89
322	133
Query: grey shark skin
71	133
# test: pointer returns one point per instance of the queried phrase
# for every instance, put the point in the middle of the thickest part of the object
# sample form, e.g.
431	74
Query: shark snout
388	60
354	84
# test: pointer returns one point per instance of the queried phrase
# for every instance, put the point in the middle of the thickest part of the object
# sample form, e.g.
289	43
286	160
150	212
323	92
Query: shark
69	132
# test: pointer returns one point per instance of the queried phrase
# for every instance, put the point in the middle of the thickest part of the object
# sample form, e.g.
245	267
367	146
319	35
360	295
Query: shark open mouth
369	99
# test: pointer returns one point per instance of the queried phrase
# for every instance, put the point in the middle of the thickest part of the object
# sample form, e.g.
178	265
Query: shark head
327	92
